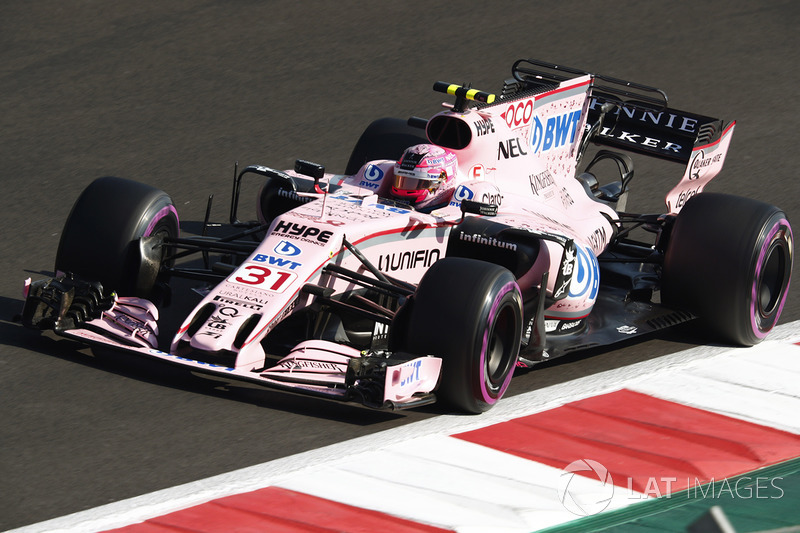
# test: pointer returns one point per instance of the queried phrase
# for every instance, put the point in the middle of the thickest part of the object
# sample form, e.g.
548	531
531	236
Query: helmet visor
409	183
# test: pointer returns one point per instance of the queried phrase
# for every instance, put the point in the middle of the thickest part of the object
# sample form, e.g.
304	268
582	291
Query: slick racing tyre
729	261
102	241
385	138
469	313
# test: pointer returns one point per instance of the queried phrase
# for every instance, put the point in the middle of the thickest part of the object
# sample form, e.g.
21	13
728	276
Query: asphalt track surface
172	93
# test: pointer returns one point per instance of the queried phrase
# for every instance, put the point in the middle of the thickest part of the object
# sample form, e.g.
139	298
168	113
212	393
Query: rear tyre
385	138
469	313
101	240
729	261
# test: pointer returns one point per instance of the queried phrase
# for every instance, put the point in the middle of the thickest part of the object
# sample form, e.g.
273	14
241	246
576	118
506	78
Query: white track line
275	472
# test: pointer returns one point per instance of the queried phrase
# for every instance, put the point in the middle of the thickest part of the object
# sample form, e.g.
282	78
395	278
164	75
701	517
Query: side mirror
313	170
307	168
478	208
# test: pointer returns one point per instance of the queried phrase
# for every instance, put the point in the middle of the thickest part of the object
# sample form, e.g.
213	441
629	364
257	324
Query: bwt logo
461	194
556	132
287	248
373	173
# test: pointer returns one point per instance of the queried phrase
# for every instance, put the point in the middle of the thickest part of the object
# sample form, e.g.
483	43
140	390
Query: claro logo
556	132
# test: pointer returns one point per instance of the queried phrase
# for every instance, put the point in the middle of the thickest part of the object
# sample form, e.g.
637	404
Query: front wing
315	367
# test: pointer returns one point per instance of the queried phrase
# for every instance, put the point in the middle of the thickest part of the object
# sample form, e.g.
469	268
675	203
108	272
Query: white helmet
425	176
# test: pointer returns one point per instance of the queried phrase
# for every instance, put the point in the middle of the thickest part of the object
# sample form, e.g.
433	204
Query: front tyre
102	238
469	313
729	261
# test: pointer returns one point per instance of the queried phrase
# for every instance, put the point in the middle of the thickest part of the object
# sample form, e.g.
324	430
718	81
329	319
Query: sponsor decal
286	193
408	260
127	321
482	127
684	196
477	172
541	181
656	118
245	294
228	311
277	261
555	132
598	239
510	148
494	199
627	330
635	138
302	232
518	114
373	173
286	248
411	160
240	303
217	322
414	377
700	161
461	194
305	364
368	184
567	268
268	279
477	238
586	281
380	332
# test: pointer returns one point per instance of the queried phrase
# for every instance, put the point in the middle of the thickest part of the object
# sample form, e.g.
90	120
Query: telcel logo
556	132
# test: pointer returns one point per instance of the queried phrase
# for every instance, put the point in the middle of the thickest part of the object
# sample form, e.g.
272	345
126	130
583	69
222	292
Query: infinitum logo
578	491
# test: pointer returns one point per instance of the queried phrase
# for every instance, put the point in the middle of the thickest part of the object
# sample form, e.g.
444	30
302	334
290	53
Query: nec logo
556	132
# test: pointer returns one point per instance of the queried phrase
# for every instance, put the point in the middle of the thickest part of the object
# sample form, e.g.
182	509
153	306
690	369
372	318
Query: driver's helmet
425	176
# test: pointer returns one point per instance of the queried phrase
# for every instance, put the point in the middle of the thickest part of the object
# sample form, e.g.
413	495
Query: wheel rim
500	354
771	283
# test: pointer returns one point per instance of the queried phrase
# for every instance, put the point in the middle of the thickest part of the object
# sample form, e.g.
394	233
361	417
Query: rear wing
640	121
637	118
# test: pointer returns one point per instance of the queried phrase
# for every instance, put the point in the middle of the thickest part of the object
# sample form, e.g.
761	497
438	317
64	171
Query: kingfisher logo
556	132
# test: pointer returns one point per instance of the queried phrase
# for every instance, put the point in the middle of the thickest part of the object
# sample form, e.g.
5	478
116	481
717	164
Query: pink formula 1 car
451	252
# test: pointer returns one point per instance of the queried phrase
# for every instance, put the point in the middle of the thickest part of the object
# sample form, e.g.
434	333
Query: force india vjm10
361	287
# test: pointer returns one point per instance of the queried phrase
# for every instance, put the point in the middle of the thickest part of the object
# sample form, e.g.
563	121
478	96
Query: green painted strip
763	499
